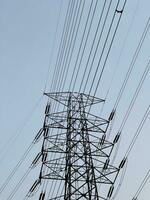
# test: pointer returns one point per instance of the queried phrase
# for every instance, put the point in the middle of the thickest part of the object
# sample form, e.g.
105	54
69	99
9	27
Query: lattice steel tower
75	153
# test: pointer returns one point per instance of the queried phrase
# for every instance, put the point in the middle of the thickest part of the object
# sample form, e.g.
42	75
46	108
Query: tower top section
63	97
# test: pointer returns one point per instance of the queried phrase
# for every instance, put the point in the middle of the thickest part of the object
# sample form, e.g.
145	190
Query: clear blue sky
27	29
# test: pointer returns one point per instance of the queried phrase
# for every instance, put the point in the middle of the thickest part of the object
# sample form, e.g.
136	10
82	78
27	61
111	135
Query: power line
135	56
144	75
19	184
131	66
4	185
142	185
11	141
23	157
53	44
138	131
61	40
134	139
82	38
67	71
68	43
110	46
112	40
71	42
62	43
85	44
136	93
122	48
99	39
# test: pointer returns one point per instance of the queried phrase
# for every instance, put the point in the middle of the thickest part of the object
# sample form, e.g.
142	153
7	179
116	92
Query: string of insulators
44	157
103	139
38	136
42	196
37	159
110	192
122	163
46	131
43	131
106	164
40	176
111	116
47	109
34	188
116	138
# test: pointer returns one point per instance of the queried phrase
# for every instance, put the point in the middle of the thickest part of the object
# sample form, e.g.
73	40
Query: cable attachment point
119	11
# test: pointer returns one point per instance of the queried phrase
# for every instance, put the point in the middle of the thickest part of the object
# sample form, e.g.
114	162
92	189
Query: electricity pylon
75	153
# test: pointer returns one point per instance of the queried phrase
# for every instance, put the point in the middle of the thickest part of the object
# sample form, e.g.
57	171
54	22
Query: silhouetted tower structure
75	153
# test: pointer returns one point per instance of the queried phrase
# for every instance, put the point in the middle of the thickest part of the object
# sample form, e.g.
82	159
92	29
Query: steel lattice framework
78	154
